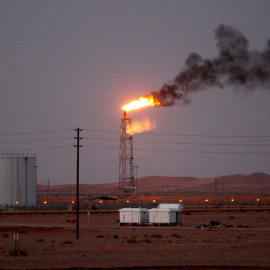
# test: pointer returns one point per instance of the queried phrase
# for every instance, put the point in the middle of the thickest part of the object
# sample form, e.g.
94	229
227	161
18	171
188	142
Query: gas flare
145	101
141	126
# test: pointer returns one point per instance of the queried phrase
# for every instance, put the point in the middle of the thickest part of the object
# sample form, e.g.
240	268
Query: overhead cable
184	151
34	132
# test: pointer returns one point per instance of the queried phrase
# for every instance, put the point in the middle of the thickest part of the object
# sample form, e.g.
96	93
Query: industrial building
133	215
18	179
164	214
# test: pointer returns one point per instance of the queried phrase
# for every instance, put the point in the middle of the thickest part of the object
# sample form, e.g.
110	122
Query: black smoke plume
235	66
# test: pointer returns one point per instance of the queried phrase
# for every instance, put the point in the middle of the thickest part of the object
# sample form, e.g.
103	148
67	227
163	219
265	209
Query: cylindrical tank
18	179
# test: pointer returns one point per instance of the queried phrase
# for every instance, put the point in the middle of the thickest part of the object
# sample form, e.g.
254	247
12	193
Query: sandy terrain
257	183
50	242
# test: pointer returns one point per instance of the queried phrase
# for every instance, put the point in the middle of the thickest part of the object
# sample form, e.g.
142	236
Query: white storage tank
166	214
133	215
18	179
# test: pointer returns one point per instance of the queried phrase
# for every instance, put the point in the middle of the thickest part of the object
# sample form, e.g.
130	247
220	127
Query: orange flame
144	101
141	126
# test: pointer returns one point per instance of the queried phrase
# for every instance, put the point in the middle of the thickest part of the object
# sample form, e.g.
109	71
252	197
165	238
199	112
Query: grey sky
69	64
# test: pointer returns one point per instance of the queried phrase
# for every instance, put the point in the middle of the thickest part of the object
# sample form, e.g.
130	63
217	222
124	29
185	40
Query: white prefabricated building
166	213
18	179
133	215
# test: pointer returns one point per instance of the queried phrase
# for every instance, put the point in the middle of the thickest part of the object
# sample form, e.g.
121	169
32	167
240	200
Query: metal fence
188	205
148	205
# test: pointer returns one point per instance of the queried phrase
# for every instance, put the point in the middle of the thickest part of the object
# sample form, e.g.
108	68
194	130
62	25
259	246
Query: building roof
105	198
133	209
163	209
171	206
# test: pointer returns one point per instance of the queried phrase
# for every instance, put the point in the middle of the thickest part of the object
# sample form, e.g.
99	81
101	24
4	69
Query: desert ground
225	225
235	240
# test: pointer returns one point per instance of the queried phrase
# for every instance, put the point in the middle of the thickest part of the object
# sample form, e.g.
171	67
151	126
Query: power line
36	148
99	130
139	141
143	133
35	132
41	140
106	147
205	152
101	139
140	149
184	151
213	144
185	135
186	143
206	135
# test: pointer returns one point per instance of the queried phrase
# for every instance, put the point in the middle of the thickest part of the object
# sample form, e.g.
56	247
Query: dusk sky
69	64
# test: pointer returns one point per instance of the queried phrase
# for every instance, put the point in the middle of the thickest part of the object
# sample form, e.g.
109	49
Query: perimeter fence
116	205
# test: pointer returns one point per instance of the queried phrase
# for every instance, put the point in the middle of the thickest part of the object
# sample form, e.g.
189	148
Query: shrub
40	240
156	235
5	235
100	236
131	240
115	236
67	242
176	235
146	241
18	252
71	220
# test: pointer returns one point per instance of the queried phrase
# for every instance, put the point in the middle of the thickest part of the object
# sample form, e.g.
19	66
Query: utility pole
48	188
78	138
136	179
26	184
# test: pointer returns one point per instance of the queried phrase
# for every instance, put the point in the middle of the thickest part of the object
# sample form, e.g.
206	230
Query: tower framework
126	168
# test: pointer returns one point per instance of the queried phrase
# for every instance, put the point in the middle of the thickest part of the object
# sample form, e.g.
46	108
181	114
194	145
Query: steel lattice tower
126	168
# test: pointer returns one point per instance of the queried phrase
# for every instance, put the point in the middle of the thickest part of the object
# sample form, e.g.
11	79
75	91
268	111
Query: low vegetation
17	252
67	242
175	235
71	220
148	241
131	240
40	240
156	235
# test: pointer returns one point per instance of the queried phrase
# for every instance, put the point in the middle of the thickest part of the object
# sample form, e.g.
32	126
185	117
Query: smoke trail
235	66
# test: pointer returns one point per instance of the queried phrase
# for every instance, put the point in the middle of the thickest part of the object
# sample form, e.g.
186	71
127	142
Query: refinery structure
127	183
18	179
126	168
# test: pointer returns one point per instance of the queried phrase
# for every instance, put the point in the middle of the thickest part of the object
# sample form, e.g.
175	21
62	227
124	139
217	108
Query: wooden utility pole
78	138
